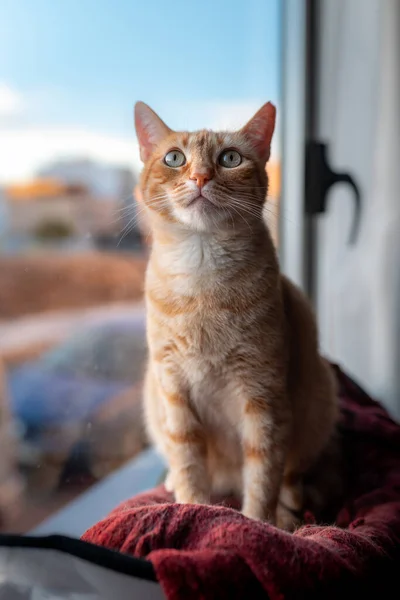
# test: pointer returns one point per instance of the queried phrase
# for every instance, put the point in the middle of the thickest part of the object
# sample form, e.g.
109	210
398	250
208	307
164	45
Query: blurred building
46	209
104	182
75	200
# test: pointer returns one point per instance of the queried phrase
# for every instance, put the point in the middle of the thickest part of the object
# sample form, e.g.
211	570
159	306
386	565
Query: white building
102	181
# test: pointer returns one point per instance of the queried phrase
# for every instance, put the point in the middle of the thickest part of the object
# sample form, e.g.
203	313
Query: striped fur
237	397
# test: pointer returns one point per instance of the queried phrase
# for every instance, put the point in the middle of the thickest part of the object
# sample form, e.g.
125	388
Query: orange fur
237	397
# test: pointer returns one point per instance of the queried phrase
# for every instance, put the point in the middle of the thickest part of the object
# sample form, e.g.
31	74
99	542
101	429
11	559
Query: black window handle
319	178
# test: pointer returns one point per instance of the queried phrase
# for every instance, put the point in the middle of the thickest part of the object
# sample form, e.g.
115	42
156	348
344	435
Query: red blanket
213	552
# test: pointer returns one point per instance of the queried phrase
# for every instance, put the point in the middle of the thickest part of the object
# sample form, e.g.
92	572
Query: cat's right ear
150	129
259	130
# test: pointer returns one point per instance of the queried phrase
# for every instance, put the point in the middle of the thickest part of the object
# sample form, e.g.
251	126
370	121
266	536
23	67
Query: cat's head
204	181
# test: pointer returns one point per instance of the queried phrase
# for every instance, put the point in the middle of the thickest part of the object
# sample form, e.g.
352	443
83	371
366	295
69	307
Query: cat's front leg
169	482
265	431
184	443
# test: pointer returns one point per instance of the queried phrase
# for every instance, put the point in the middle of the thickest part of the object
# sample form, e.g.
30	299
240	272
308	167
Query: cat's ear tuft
259	130
150	129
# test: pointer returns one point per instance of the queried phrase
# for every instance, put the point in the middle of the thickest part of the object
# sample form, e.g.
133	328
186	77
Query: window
72	249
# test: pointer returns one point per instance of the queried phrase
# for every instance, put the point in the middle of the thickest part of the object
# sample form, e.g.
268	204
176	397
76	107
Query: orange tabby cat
237	397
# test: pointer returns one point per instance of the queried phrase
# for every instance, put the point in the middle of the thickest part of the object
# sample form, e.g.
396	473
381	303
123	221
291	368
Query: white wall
359	288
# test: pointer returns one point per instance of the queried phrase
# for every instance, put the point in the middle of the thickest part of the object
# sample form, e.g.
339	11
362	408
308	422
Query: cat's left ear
150	129
259	130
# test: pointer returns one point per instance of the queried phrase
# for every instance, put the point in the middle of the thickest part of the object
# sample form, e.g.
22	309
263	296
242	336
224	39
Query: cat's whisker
279	215
128	227
161	203
137	212
245	204
125	208
119	218
160	195
248	198
125	214
136	207
252	211
230	214
158	202
130	198
134	220
243	218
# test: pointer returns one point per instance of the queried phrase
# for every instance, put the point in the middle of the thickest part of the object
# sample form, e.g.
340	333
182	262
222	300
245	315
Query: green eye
230	159
174	159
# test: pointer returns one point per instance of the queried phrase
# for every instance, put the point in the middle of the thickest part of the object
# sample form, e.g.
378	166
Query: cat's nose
201	178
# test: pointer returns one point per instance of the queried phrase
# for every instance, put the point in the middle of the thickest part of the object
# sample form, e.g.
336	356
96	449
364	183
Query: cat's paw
258	514
191	497
286	520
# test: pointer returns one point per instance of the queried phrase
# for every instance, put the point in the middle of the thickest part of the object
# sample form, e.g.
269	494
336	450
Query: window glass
72	241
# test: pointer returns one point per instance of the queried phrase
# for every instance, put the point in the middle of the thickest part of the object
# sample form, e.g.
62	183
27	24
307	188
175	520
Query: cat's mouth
201	198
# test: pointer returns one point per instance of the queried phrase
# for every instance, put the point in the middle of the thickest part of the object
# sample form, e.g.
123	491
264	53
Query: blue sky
71	70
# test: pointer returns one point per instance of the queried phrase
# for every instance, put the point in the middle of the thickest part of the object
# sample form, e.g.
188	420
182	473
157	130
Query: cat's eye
230	159
174	159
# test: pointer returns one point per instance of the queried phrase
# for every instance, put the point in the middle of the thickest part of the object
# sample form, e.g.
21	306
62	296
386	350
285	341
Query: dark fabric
213	552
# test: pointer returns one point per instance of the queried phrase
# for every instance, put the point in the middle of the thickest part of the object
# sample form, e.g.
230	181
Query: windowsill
140	474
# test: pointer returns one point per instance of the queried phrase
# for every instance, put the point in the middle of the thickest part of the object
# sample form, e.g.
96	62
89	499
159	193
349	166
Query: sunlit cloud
11	102
25	151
